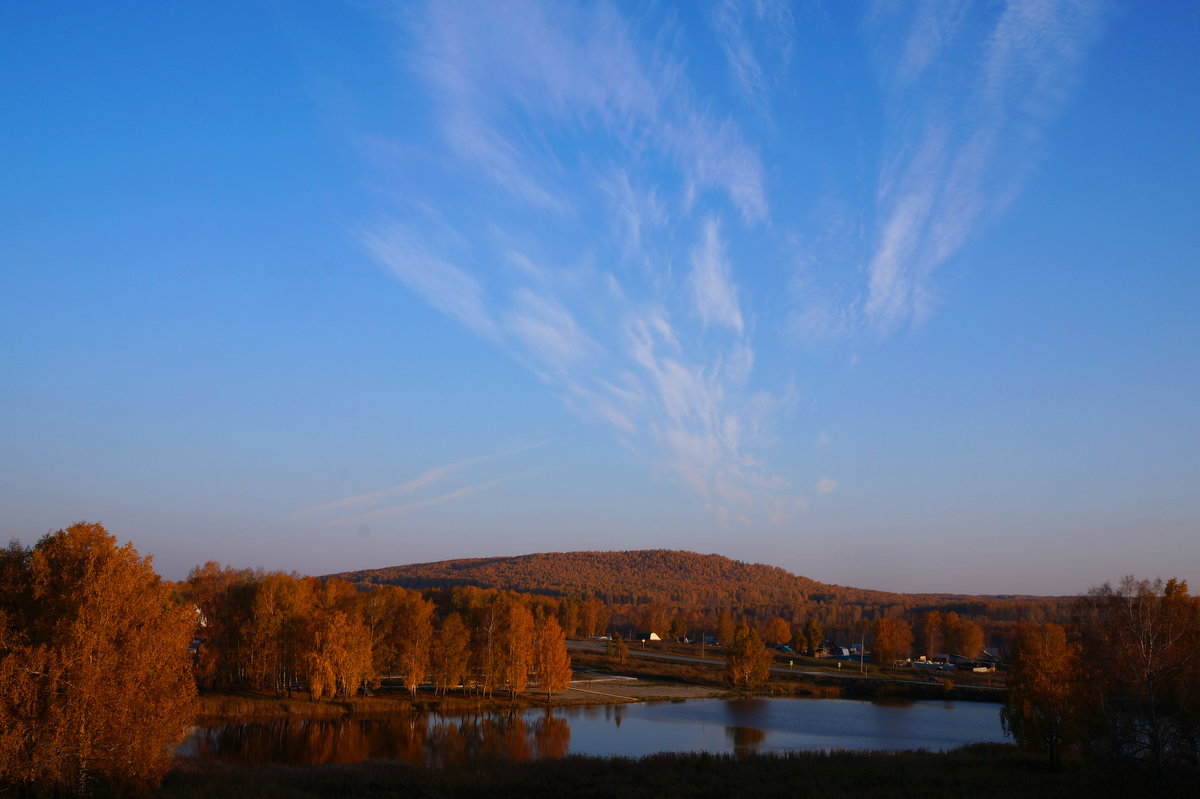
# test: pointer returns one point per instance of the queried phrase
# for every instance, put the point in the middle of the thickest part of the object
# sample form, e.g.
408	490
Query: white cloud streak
512	88
405	508
547	329
751	33
500	69
443	285
712	284
974	141
576	160
424	480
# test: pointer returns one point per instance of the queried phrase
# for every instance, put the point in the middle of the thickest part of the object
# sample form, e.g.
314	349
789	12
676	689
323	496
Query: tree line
283	633
100	659
1120	680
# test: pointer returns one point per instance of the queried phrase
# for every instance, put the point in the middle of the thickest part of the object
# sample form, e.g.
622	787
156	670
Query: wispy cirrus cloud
415	485
756	37
594	198
403	508
711	281
451	290
503	73
964	139
590	129
547	329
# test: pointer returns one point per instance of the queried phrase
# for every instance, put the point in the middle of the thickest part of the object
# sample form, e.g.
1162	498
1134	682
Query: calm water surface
697	725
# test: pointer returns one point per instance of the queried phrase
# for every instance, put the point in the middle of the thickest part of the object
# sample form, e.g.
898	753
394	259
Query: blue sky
897	295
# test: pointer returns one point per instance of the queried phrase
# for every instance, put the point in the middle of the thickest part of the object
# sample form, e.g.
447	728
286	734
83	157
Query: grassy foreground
979	771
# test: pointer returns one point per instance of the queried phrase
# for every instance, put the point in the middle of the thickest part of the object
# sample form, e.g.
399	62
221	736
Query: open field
789	683
795	663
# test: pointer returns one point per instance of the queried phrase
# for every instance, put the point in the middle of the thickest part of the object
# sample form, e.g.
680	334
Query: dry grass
981	772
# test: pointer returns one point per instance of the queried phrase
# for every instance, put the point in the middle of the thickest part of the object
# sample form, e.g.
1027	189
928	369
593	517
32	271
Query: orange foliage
95	677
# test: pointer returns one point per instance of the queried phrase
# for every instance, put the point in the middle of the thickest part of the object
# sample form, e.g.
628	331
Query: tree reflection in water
449	744
551	737
522	734
416	738
745	739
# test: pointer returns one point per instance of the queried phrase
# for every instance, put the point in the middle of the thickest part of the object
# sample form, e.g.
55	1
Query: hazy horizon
898	296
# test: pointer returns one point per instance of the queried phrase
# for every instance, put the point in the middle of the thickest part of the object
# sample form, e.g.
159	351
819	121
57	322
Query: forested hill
628	581
621	577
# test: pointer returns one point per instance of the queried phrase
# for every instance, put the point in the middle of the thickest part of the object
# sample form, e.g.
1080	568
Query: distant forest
671	589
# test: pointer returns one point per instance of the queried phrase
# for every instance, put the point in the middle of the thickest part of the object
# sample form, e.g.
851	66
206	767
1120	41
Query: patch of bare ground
585	689
609	688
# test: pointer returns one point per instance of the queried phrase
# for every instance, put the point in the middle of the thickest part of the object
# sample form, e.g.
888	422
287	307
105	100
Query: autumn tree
813	635
725	627
411	634
336	656
892	640
747	662
617	650
551	663
778	631
486	627
594	616
450	656
570	615
654	619
1044	687
514	645
273	634
223	596
931	633
678	629
961	636
95	674
1141	641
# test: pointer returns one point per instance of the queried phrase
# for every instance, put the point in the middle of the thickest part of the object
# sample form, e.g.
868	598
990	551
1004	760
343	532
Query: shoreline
219	707
247	706
598	681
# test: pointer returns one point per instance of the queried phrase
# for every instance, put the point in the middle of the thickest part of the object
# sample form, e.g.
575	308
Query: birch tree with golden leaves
778	631
451	655
412	638
274	632
337	651
747	661
96	687
515	650
1043	690
892	640
551	663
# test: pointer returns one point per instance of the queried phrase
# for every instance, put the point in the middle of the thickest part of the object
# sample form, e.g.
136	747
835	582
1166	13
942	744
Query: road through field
635	652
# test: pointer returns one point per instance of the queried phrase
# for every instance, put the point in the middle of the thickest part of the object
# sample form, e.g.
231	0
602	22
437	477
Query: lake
733	726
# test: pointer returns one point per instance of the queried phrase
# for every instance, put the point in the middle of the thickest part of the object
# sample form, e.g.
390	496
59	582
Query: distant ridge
621	577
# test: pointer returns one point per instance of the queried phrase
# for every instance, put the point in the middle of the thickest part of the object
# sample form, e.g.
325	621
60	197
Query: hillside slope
621	577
